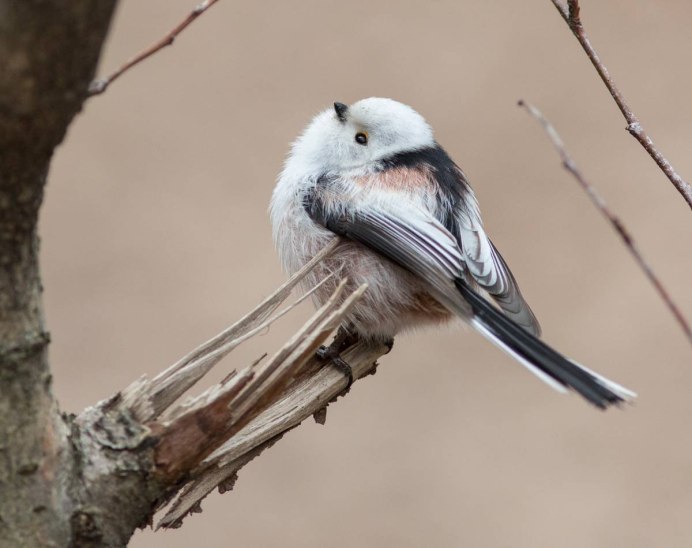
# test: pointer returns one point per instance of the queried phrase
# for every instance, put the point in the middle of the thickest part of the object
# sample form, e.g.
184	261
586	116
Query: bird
409	227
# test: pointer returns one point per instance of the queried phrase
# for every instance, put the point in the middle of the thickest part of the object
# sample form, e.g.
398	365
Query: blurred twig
100	85
570	12
569	164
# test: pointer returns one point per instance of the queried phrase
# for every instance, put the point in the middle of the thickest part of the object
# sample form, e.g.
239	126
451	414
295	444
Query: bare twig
569	164
100	85
571	14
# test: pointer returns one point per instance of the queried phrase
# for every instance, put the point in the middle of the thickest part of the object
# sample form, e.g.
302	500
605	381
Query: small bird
410	227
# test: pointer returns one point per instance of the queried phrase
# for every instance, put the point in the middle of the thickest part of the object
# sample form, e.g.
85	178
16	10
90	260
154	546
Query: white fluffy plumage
411	229
327	148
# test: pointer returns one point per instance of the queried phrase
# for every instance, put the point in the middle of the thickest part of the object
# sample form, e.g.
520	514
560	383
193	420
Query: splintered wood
200	443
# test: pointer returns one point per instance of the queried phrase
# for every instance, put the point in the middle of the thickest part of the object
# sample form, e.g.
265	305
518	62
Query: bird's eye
362	138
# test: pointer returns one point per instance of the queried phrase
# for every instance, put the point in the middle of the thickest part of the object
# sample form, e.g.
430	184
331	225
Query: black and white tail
552	367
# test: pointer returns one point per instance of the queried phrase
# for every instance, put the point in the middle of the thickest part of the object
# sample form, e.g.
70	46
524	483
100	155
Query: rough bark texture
48	55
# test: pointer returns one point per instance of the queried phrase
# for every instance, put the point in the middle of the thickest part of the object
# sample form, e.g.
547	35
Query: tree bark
48	55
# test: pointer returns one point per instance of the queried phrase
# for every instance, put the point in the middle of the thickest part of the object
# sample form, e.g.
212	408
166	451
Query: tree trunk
48	56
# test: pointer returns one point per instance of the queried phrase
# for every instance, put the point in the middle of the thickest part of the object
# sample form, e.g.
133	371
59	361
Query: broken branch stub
200	443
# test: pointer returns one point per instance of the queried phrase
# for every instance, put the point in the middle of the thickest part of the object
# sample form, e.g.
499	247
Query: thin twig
571	14
569	164
100	85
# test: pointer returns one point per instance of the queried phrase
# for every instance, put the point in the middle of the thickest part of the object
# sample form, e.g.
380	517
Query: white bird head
357	137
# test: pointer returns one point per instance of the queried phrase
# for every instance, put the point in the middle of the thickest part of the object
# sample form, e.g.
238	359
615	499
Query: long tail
552	367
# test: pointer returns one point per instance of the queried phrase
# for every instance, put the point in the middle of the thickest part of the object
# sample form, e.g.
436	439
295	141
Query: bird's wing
409	236
487	267
414	239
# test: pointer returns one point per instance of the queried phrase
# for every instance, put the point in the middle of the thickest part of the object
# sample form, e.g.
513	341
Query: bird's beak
340	110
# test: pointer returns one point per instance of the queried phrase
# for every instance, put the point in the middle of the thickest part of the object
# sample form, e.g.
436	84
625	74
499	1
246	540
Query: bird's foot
332	353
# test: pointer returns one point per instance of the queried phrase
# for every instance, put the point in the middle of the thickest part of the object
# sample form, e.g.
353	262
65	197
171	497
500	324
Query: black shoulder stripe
453	186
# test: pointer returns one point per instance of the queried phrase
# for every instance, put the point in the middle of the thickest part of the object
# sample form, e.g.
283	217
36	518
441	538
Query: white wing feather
489	270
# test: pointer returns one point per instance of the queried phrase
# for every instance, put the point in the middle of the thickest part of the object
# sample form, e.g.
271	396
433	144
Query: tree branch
100	85
303	399
571	13
181	453
569	164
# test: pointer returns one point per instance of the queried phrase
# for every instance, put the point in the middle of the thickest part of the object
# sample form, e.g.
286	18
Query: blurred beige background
155	236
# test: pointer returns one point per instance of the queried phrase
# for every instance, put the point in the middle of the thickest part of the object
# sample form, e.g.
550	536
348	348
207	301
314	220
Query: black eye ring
362	138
